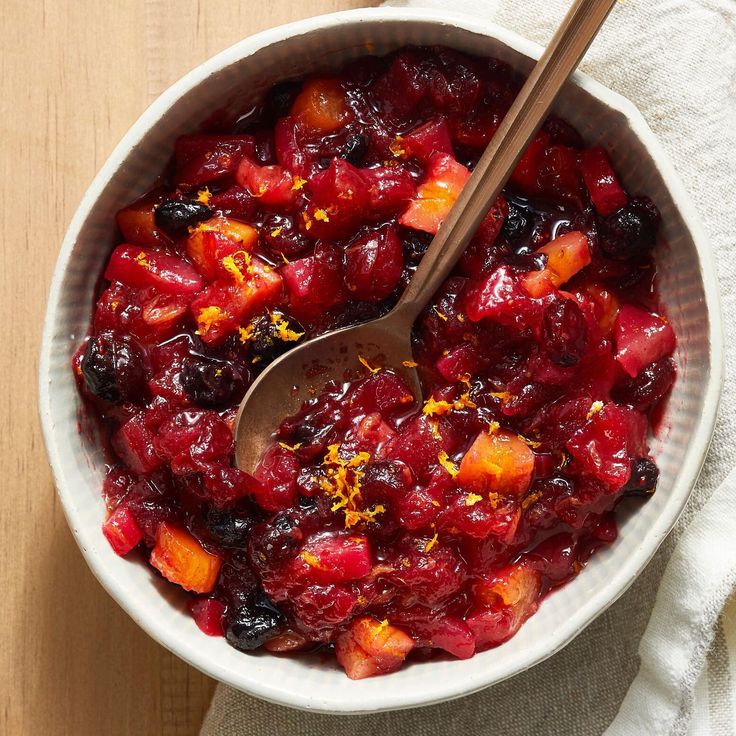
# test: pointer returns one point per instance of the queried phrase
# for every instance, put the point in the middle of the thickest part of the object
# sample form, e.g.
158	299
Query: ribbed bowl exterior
236	76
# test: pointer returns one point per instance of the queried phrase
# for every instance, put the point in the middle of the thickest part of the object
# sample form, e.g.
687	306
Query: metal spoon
282	388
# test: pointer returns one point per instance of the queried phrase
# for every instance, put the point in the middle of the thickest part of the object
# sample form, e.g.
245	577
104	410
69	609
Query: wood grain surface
75	75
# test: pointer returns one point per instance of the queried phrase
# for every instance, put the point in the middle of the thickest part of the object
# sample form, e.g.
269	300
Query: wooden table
75	76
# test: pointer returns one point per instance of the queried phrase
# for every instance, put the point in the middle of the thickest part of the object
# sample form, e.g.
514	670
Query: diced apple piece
122	531
499	462
604	188
322	105
204	158
207	614
216	238
566	255
181	559
372	647
142	268
641	338
505	601
137	223
605	306
333	558
442	185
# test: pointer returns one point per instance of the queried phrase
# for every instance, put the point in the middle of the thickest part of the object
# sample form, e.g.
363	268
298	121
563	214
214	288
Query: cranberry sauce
376	526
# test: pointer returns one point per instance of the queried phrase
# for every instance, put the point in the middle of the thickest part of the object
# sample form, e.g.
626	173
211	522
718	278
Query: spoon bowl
295	377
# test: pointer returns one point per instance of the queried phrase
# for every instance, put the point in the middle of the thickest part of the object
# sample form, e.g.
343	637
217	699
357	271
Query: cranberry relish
374	525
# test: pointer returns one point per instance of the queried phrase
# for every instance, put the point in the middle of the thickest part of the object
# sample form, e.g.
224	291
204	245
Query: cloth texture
660	660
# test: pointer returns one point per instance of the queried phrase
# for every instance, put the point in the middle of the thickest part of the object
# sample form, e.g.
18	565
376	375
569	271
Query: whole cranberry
643	480
564	332
115	368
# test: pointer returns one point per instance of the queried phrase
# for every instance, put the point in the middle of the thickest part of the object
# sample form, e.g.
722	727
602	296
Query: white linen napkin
676	60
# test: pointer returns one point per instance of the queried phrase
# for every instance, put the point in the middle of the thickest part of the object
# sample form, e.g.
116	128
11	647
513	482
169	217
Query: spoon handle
525	116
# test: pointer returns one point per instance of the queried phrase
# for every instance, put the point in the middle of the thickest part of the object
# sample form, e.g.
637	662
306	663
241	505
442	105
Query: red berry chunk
607	444
201	159
374	263
600	179
333	558
430	138
143	268
526	173
270	185
389	190
641	338
122	531
208	615
133	444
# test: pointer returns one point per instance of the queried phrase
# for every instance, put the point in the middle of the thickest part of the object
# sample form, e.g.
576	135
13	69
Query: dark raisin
272	335
283	237
383	479
649	386
415	246
564	332
525	259
229	527
643	480
249	627
176	215
212	383
517	224
276	540
281	97
355	149
630	231
115	369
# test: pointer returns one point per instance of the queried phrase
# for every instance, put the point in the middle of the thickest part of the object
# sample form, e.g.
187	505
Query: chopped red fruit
428	139
500	297
374	263
143	268
201	159
442	185
641	338
277	473
606	445
133	443
505	601
603	186
315	284
370	647
208	614
526	173
333	558
459	362
181	559
559	175
389	190
122	531
322	105
450	634
566	256
270	185
499	462
339	201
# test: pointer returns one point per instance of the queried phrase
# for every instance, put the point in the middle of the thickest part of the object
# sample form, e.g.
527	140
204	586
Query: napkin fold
662	660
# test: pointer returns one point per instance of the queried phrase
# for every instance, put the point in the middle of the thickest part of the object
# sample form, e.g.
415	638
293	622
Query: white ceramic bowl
688	288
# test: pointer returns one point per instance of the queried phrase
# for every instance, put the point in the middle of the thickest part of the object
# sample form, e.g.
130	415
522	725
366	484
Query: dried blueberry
176	215
415	246
272	335
630	231
564	332
229	527
212	383
281	97
276	540
115	369
251	626
355	149
516	225
643	480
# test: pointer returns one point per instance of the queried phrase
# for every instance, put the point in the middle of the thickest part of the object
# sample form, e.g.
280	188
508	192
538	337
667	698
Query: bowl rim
593	606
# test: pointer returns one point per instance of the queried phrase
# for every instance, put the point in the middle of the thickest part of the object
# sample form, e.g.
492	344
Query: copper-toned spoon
281	389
